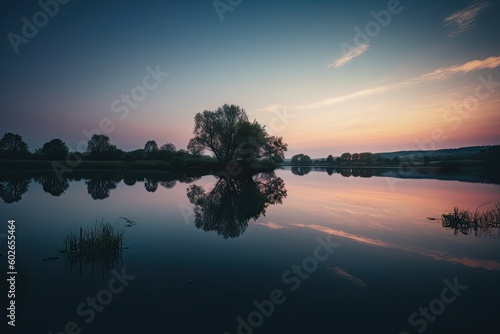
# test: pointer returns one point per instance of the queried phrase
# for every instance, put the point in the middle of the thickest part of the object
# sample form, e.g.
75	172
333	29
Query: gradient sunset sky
298	67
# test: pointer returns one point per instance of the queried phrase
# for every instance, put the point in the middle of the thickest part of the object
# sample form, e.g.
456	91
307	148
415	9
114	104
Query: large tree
55	149
229	135
13	144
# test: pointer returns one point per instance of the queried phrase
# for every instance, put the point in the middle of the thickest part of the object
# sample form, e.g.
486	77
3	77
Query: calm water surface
335	254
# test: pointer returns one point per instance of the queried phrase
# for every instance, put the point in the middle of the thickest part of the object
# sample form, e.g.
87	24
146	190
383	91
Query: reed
99	247
478	222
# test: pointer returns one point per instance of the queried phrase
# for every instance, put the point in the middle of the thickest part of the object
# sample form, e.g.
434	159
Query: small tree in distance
99	148
346	156
167	151
301	160
169	147
151	149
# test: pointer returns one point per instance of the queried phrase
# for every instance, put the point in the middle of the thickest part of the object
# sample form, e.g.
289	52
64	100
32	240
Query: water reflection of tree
168	184
13	188
151	184
228	207
152	180
301	171
480	223
100	186
53	185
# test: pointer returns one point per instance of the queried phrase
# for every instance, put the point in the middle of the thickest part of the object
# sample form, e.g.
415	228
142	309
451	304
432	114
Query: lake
285	252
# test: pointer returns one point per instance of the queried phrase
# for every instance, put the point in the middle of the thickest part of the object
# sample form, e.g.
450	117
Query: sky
328	76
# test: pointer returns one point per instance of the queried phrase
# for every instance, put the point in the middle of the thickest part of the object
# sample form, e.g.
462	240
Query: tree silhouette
100	148
301	159
367	157
228	134
12	145
54	149
346	156
229	206
166	152
168	147
151	149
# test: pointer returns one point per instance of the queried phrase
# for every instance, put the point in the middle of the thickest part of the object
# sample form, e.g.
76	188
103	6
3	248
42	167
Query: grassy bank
200	166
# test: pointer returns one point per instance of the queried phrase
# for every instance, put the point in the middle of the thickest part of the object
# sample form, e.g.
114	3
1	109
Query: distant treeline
99	148
235	142
474	156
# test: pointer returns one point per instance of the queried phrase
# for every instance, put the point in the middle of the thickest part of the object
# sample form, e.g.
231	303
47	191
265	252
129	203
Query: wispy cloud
471	66
439	74
350	55
345	274
465	19
272	225
273	108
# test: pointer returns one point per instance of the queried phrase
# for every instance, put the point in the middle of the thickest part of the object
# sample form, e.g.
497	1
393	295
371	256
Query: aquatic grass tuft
481	223
99	246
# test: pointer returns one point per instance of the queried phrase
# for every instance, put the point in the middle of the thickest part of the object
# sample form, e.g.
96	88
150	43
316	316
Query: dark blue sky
270	57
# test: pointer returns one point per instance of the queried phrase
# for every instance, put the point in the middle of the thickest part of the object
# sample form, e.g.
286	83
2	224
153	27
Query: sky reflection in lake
391	256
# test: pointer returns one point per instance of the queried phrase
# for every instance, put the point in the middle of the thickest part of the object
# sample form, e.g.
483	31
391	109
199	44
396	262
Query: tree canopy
168	147
301	159
12	144
151	147
100	148
346	156
54	149
229	135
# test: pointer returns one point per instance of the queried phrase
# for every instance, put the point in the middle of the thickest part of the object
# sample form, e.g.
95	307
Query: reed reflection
97	249
478	223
